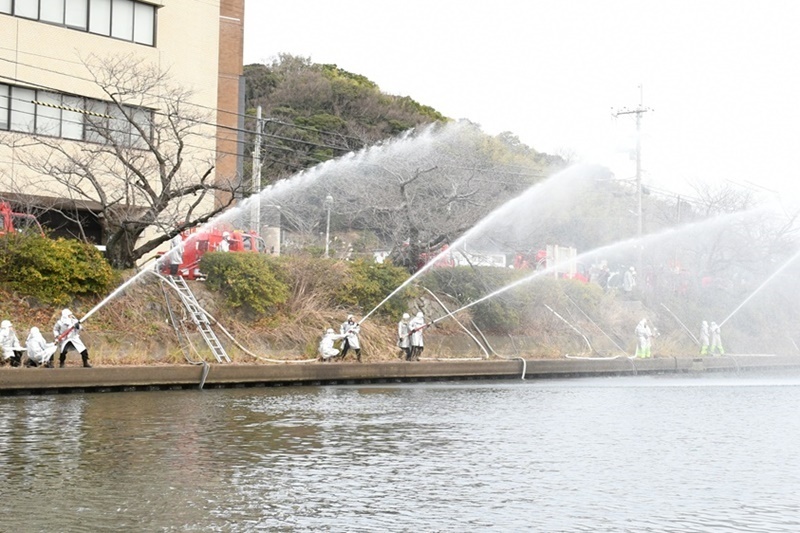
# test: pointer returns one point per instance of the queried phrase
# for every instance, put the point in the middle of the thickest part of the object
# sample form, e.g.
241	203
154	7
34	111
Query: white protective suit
402	332
176	254
224	245
350	330
9	343
66	322
326	349
39	351
417	324
643	335
704	338
629	280
716	340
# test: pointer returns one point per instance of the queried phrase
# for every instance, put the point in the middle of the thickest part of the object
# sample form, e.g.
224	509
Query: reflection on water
615	454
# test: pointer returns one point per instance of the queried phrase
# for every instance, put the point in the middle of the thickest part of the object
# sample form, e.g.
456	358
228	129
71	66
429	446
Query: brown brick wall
231	58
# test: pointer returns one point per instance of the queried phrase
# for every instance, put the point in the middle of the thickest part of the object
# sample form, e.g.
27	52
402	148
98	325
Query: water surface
676	453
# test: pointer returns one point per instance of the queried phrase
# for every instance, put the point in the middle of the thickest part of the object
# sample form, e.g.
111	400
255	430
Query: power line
168	115
196	121
201	106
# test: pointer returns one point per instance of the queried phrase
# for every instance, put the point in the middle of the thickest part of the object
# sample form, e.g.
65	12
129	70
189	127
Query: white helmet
406	316
5	324
330	331
34	331
350	317
66	313
632	269
420	315
225	234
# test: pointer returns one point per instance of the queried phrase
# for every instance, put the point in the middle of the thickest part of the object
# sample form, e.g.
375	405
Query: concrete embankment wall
158	377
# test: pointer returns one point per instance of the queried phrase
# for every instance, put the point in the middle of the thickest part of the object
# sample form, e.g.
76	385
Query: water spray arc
274	192
522	202
446	310
720	220
758	289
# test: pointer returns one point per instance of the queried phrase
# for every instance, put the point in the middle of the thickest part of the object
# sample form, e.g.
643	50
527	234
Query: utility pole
328	204
639	111
255	208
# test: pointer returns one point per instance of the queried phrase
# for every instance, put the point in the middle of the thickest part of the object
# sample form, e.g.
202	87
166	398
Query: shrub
53	271
248	281
368	283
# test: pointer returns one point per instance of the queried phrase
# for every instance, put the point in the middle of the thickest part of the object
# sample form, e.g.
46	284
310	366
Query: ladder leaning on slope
200	319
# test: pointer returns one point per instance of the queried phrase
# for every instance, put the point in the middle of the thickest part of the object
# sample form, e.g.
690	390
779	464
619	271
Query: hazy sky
722	77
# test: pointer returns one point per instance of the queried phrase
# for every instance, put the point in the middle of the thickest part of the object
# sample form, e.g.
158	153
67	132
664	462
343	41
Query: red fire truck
196	243
12	222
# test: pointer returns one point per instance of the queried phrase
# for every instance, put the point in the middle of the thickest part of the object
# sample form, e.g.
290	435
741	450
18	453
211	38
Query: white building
49	56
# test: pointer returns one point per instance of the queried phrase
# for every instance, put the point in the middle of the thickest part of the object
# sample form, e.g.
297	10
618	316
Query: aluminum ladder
200	319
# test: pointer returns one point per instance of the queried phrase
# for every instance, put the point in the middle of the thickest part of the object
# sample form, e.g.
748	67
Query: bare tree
753	239
415	193
144	158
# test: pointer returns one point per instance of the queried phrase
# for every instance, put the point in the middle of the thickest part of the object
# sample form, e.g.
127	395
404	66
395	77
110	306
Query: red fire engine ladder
200	319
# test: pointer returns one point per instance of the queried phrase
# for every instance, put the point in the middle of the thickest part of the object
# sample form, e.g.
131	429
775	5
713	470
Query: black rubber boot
85	357
61	360
358	355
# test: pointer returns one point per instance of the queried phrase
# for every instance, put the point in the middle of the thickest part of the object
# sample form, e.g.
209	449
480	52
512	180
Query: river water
667	453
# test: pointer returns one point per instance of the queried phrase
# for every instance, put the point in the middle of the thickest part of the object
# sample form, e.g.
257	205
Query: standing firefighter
415	326
9	344
402	337
66	331
350	330
704	338
716	340
175	254
225	244
629	281
643	335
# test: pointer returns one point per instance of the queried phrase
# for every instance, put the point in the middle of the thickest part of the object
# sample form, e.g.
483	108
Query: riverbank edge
21	381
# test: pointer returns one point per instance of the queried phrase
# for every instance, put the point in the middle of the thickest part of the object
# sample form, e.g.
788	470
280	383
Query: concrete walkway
164	377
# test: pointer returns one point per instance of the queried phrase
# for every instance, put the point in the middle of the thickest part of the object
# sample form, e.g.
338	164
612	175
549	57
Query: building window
27	8
75	14
52	11
23	110
48	114
72	117
144	19
128	20
4	106
122	19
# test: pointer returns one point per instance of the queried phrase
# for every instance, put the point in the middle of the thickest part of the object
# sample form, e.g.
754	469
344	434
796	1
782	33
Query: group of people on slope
349	331
409	336
644	338
66	333
409	339
710	339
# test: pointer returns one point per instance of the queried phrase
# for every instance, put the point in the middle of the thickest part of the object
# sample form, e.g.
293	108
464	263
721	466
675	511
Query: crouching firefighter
10	349
326	349
40	353
67	332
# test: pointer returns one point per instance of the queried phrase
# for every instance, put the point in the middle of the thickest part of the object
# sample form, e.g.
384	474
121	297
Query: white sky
722	77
